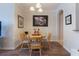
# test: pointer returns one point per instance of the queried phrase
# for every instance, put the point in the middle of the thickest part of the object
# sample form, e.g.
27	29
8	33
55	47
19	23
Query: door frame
60	41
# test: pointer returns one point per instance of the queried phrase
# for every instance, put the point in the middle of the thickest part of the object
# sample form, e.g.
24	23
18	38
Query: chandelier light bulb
38	5
40	10
32	8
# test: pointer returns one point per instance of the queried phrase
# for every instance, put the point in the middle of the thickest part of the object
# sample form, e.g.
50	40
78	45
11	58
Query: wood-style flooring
56	50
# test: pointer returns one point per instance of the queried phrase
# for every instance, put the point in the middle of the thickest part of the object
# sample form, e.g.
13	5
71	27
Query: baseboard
7	48
67	50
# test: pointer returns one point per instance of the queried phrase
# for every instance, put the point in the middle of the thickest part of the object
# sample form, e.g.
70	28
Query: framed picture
68	19
40	20
20	21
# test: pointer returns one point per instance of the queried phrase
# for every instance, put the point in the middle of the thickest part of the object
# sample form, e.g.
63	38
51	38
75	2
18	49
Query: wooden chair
35	43
49	40
46	43
24	39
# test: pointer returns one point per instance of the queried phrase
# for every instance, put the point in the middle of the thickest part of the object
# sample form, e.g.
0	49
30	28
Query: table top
35	36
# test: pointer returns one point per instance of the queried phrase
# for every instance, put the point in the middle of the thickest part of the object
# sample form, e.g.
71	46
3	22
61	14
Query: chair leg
49	45
30	52
40	52
18	52
22	45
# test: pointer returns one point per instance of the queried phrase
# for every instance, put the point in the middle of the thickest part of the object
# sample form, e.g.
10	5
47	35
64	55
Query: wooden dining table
36	36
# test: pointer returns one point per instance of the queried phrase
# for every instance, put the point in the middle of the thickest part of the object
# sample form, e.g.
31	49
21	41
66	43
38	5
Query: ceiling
45	6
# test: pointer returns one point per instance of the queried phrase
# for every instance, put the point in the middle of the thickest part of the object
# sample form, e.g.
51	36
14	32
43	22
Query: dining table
36	36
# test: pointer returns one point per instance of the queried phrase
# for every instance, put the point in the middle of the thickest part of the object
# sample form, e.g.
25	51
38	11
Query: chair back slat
22	36
49	37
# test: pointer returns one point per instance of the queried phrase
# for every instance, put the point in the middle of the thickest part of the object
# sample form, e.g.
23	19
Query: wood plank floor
57	50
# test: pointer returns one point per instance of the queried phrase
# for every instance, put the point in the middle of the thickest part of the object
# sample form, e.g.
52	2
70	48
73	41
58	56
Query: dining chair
24	39
35	43
49	40
46	41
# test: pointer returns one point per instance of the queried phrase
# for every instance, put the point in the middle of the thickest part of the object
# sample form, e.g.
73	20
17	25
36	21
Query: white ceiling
45	6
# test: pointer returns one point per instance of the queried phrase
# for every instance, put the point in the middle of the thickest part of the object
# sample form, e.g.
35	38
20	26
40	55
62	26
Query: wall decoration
40	20
68	19
20	21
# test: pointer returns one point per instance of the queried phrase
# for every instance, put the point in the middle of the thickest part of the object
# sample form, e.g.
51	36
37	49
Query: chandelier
37	7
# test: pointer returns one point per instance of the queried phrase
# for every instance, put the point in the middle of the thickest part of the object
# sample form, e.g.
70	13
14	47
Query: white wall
71	38
44	30
19	10
7	19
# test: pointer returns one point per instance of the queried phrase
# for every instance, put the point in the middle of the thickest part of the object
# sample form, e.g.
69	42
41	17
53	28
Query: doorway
60	25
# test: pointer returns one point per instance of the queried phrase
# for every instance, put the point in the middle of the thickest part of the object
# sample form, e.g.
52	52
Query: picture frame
20	21
68	19
40	20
